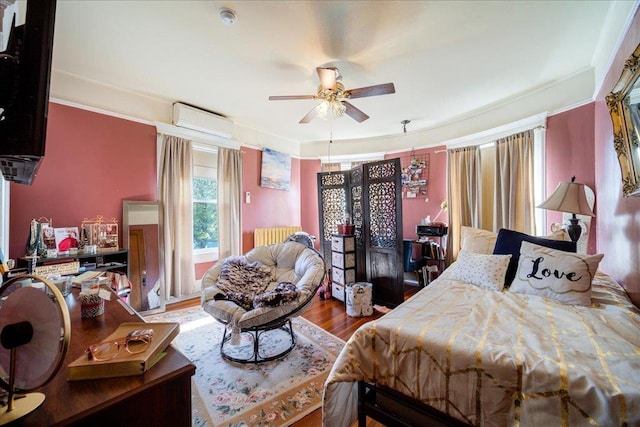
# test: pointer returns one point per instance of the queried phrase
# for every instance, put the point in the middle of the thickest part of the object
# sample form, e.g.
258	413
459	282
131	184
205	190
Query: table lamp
569	197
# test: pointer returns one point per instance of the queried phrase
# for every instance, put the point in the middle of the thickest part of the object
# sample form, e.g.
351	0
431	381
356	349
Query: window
205	204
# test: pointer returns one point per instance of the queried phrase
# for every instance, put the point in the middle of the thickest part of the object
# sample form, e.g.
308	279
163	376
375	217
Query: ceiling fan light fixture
335	99
333	108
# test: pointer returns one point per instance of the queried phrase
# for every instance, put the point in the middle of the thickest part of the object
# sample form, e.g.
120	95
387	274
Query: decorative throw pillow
477	240
482	270
509	242
283	293
237	275
563	276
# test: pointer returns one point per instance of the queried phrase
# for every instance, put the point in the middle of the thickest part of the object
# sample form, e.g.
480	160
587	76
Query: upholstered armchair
261	291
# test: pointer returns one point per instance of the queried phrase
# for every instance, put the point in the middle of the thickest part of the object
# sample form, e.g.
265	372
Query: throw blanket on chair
296	271
241	281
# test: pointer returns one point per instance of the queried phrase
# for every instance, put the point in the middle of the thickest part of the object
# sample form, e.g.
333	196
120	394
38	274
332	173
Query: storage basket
359	298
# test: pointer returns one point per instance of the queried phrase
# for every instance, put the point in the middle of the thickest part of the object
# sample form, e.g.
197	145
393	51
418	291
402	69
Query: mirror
143	238
624	105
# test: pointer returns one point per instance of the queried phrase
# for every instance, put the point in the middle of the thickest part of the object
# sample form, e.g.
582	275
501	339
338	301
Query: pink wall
268	207
415	210
310	222
92	163
570	151
618	217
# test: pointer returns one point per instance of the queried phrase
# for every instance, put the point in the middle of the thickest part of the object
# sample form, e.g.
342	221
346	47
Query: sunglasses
135	342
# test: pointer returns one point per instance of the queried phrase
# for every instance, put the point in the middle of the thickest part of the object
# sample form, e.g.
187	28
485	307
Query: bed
481	354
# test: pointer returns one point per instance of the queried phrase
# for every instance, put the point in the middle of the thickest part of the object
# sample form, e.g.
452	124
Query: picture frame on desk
48	236
66	239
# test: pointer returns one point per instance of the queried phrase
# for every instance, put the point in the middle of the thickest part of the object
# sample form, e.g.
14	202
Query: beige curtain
513	205
177	216
464	194
229	202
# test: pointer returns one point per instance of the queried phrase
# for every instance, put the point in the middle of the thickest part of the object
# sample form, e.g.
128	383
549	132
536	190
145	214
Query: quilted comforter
498	358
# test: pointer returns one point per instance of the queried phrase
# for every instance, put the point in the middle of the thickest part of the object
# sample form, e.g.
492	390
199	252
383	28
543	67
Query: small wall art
415	172
276	170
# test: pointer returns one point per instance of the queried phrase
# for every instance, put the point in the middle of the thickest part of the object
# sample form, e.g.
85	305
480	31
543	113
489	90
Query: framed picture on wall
276	170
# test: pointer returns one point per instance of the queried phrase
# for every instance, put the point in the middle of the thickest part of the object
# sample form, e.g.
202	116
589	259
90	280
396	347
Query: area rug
276	393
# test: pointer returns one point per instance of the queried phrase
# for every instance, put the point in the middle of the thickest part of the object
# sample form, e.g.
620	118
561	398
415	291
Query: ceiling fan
334	96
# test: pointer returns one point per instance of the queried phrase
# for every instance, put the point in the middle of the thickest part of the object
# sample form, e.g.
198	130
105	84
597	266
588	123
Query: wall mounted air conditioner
190	117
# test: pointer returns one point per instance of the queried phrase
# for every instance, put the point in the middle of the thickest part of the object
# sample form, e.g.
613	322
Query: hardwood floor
331	316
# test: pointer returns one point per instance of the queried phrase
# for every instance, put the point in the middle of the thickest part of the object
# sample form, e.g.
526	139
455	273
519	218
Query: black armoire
371	195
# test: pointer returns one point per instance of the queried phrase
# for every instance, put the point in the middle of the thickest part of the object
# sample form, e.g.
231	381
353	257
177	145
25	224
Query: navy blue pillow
509	241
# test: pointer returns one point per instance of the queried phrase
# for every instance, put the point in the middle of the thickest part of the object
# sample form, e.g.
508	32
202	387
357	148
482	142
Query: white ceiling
449	60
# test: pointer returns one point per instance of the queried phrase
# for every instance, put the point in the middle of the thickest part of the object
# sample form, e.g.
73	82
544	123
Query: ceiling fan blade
355	113
327	77
375	90
310	116
287	97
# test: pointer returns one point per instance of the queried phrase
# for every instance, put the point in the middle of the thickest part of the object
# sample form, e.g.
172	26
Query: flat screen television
25	70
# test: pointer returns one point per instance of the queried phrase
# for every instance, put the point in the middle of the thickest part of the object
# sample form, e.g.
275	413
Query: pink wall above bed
570	151
414	210
618	217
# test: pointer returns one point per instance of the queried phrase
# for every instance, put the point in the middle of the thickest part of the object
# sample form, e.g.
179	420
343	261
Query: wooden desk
159	397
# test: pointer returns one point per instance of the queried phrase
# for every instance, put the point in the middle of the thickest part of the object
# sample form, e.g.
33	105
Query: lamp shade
568	197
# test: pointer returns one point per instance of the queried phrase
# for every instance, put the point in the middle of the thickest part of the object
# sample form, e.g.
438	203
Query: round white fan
35	330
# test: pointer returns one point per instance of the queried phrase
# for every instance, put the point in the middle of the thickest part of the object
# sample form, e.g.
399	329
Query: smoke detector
227	16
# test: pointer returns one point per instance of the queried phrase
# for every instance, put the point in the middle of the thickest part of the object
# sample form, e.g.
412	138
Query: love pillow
562	276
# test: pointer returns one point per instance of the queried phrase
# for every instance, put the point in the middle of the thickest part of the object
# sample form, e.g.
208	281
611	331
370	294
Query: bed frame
391	407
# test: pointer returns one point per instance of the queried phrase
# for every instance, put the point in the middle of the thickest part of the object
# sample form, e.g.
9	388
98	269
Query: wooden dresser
159	397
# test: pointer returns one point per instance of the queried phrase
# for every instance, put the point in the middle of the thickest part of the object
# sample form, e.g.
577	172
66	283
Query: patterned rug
274	393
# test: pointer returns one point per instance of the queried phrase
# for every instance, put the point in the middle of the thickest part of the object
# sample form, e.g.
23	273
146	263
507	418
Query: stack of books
125	364
432	250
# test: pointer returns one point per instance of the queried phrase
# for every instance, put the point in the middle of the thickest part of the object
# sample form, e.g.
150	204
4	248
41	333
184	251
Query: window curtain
177	216
464	194
229	202
513	205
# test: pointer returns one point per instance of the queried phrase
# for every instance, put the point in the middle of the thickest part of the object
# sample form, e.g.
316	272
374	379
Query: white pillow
477	240
563	276
482	270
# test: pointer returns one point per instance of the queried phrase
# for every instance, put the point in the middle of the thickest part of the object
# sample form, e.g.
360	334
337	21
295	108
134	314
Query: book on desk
125	364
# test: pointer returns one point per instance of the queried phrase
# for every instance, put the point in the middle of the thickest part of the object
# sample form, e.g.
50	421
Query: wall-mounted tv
25	69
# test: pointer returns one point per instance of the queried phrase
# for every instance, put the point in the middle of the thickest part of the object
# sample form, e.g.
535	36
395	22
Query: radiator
269	236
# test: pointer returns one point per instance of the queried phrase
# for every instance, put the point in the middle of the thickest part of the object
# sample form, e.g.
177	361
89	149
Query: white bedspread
498	358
